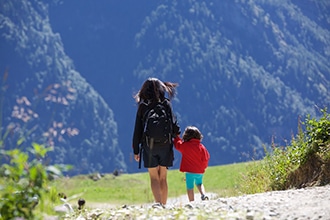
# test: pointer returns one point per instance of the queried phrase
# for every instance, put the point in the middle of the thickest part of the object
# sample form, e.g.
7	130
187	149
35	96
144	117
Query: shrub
283	166
23	182
318	135
24	173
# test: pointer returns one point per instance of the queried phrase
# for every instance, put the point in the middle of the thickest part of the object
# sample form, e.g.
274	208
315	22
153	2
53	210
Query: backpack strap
140	153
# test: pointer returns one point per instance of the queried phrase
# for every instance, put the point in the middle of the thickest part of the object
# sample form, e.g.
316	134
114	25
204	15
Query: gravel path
307	203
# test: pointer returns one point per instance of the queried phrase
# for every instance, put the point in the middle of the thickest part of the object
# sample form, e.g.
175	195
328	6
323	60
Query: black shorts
158	156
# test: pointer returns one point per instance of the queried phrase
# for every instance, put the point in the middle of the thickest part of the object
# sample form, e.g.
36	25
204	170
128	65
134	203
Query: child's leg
190	186
201	189
200	186
191	195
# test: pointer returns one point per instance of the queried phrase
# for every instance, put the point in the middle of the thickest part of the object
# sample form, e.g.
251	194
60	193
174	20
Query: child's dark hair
191	132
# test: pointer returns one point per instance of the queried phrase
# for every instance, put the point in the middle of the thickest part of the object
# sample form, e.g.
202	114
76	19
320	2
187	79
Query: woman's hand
137	157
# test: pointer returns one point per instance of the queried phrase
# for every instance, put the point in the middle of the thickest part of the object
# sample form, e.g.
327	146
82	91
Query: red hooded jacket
195	156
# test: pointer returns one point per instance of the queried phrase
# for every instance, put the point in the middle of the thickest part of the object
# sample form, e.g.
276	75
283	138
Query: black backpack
157	125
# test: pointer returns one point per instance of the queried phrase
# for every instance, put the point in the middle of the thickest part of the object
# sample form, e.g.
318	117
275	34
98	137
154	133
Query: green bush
280	161
318	135
24	174
23	182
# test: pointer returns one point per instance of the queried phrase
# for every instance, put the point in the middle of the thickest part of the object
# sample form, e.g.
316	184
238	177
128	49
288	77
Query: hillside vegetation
246	70
27	187
305	162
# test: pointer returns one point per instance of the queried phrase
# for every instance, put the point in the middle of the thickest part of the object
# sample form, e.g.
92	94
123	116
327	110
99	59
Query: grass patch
126	188
225	180
135	188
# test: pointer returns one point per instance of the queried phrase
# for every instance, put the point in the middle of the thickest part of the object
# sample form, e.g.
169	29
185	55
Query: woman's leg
163	184
155	183
158	179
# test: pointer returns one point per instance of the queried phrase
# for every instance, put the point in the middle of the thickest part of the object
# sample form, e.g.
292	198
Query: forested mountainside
47	100
247	70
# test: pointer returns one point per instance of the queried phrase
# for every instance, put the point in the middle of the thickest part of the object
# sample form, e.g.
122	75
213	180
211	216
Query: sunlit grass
125	188
225	180
135	188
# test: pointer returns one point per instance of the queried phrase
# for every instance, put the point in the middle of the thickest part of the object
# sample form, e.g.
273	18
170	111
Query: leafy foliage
318	134
23	182
24	171
281	162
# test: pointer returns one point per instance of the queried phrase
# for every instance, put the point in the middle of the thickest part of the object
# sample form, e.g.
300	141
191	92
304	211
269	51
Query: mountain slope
247	70
63	102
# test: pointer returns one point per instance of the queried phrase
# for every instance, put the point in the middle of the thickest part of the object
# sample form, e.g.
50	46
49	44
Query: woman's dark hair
153	89
191	132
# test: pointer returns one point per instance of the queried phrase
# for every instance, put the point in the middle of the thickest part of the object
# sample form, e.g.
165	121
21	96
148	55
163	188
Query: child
194	160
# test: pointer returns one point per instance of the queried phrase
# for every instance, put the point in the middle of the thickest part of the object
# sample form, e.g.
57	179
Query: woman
156	158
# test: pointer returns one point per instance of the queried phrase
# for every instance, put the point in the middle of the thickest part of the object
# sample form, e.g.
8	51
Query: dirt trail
306	203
